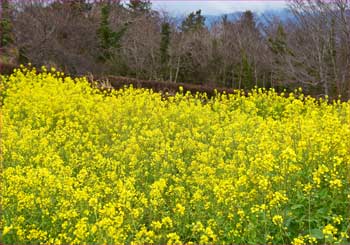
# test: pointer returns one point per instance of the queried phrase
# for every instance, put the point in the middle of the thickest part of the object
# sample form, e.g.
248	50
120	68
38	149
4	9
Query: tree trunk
177	69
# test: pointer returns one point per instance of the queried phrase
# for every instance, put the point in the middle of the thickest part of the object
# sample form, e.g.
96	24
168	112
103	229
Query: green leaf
296	206
317	233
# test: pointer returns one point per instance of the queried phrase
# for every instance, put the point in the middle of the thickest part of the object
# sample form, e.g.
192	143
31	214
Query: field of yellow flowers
83	166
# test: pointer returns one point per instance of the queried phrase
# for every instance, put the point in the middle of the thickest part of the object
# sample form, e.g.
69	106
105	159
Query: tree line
311	49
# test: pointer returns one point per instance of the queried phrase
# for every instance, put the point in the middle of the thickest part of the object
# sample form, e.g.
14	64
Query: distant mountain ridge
283	14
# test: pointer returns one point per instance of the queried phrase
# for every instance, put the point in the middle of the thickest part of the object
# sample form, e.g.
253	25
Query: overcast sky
215	7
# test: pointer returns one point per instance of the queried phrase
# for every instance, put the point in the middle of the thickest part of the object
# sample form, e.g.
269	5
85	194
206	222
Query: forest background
309	49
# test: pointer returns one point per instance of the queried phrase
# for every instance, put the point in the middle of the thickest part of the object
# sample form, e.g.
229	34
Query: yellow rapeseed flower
134	166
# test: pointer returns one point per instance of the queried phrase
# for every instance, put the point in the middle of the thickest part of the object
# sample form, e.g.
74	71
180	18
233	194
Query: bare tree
141	47
55	34
319	45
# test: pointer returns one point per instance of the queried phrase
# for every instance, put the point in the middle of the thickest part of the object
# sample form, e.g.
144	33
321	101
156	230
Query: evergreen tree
80	6
278	45
331	58
6	37
139	6
333	49
215	63
194	21
109	40
247	73
248	21
164	49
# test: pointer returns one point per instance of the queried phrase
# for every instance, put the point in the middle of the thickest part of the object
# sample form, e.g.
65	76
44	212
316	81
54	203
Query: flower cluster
80	165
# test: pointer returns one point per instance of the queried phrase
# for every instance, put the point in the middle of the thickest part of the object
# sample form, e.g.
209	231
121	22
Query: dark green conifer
194	21
6	37
164	49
